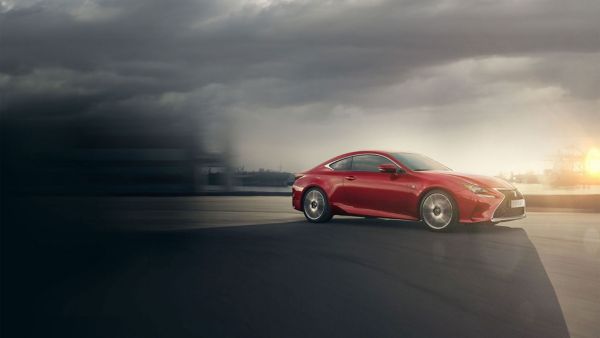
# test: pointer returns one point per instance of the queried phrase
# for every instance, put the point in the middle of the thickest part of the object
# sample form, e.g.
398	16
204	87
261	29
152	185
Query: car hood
484	181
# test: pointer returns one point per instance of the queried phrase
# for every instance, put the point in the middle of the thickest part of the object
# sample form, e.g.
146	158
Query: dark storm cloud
311	60
224	41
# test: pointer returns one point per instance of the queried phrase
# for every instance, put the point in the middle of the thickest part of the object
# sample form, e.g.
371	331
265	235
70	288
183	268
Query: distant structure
567	169
164	154
528	177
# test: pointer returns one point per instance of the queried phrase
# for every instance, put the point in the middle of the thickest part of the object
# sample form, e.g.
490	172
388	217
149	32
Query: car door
340	170
374	193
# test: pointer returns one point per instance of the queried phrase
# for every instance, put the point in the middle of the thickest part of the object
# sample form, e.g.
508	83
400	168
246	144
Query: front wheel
439	211
315	206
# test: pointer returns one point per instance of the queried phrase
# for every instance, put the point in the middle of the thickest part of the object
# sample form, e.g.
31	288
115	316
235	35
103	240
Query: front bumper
506	205
511	207
505	219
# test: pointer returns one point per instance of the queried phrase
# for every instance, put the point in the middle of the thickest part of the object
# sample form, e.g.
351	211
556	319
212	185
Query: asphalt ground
252	267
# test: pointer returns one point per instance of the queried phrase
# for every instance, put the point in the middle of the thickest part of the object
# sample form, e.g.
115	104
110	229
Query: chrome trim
328	165
504	219
498	190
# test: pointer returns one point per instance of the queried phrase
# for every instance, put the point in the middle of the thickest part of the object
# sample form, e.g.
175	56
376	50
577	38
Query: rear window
342	165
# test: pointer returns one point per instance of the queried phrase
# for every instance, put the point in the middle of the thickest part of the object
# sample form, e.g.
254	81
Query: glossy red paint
398	195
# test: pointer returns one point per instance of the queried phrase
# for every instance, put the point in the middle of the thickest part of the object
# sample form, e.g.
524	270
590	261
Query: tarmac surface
252	267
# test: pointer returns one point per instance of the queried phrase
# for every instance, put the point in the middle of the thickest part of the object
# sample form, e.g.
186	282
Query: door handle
350	178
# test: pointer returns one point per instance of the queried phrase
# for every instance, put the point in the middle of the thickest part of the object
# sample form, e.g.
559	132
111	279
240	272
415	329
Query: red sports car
405	186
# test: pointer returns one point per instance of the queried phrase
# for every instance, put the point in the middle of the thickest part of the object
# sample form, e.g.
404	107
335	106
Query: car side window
369	163
342	165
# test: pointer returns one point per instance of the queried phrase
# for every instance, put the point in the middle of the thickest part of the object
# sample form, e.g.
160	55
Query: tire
315	206
439	211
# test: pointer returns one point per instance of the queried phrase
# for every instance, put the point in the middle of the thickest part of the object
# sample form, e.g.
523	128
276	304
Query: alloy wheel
437	211
314	204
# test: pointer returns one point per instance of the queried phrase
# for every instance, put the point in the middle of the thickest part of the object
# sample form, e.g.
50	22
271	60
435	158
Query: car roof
361	152
385	153
381	152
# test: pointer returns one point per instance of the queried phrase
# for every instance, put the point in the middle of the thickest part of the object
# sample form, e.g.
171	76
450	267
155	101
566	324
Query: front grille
504	210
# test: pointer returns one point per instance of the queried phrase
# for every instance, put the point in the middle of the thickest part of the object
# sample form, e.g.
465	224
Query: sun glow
592	162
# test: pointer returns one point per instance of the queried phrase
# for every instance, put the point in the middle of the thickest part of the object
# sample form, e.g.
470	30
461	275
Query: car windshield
418	162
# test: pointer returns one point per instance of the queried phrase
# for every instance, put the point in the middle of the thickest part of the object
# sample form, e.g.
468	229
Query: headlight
479	190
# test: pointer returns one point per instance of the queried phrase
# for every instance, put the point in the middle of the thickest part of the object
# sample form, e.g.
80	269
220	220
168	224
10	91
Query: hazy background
482	86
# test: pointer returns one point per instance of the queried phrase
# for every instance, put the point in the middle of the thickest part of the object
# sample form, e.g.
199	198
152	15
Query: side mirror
388	168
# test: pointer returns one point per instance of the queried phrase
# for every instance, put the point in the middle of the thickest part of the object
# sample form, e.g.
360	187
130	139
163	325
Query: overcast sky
482	86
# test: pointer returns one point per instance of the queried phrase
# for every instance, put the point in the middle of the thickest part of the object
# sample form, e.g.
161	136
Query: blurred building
115	157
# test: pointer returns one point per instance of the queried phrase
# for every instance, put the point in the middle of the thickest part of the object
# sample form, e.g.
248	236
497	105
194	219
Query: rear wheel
439	211
315	206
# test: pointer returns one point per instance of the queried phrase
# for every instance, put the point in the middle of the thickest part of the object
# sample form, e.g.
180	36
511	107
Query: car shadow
347	278
416	225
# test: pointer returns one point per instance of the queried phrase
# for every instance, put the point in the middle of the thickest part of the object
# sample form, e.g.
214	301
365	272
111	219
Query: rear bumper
297	197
